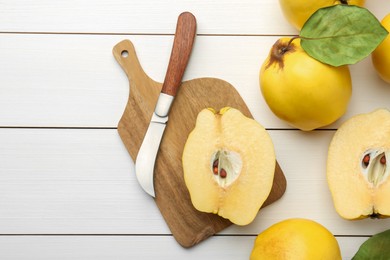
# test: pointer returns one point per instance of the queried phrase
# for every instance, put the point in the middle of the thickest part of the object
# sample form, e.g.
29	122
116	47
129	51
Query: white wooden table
67	184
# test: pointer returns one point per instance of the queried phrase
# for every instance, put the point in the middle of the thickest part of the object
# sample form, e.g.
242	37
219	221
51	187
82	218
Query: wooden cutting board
187	225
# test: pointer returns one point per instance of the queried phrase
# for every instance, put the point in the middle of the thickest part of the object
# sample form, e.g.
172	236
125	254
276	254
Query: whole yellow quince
298	11
301	90
381	55
296	239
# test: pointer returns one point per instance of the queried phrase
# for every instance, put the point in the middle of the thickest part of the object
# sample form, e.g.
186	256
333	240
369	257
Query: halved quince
229	164
357	171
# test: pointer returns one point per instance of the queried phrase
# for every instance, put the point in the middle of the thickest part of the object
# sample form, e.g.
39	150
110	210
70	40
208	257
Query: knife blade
181	51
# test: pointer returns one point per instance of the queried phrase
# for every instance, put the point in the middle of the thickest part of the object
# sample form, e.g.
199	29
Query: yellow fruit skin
304	92
298	11
296	239
381	55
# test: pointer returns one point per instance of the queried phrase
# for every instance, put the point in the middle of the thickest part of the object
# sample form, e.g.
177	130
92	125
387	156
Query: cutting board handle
181	51
124	53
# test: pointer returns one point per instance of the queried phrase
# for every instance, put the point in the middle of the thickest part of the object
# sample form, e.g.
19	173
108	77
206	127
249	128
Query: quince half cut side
229	164
357	172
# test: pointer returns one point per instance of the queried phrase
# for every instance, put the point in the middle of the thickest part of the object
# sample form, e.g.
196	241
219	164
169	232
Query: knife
181	50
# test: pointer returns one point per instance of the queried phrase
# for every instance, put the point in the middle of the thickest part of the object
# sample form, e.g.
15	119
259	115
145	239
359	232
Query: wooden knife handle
181	51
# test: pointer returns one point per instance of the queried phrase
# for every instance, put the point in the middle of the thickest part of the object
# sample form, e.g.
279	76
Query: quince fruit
381	55
297	12
229	164
302	91
357	171
296	239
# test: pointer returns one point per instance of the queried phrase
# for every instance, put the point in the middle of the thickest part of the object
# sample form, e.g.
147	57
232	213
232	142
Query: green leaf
341	34
376	248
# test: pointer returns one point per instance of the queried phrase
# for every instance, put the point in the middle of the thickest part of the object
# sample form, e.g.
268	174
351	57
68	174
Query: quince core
228	163
357	171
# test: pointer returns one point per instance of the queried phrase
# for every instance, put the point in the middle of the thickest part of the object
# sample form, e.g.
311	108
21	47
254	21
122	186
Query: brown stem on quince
344	2
279	49
286	48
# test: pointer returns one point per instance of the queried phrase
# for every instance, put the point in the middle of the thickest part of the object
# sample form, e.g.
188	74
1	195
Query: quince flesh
228	163
357	171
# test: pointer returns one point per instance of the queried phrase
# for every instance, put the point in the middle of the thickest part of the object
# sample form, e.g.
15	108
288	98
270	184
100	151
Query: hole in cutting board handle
125	54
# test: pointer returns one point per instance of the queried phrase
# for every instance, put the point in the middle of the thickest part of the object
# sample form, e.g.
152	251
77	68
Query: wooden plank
73	80
138	247
138	16
75	181
71	181
152	16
